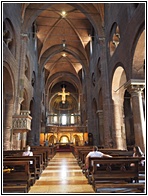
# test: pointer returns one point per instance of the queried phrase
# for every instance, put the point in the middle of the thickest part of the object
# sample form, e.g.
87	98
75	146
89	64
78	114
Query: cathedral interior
73	73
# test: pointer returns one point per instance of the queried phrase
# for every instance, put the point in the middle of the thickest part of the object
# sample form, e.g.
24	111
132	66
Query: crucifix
63	94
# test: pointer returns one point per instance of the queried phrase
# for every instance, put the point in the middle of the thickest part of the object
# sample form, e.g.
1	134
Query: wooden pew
38	157
139	186
15	188
12	152
82	153
51	150
113	170
77	148
44	156
42	163
16	176
32	166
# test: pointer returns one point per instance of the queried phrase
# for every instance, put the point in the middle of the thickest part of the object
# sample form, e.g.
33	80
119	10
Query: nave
62	175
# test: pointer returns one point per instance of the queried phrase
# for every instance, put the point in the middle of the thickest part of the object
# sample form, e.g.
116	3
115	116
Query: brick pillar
7	123
135	88
101	127
107	113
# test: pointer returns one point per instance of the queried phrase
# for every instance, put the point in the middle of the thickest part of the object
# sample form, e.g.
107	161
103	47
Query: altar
62	147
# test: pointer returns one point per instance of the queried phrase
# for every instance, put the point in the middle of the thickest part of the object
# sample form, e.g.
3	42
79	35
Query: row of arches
64	139
109	79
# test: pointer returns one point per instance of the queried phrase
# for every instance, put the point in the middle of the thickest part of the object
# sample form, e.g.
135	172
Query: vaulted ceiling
63	32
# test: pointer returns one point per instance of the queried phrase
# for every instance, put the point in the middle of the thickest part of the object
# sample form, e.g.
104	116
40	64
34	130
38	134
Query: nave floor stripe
62	175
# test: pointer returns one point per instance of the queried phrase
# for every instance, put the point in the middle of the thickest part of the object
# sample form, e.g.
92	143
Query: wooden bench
44	156
12	152
114	169
15	188
83	151
50	149
32	166
139	186
16	175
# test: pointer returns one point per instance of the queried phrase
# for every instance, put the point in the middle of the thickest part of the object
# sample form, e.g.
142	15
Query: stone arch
64	139
118	134
24	103
114	38
52	139
9	36
27	68
60	77
8	105
8	83
50	52
138	64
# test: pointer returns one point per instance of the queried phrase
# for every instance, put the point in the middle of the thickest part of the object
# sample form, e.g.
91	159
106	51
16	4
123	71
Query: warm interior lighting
63	14
64	55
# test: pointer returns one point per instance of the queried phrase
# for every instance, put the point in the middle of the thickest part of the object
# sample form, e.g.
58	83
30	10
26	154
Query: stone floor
62	175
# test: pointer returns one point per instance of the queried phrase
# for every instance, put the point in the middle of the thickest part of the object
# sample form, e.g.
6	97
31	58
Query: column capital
135	85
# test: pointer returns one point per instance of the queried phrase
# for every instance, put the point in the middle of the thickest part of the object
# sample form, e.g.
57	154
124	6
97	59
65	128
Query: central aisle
62	175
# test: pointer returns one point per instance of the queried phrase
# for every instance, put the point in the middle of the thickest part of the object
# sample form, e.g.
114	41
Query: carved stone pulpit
22	122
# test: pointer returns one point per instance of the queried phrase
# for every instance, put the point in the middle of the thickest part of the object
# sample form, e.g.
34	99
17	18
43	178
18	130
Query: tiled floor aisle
62	175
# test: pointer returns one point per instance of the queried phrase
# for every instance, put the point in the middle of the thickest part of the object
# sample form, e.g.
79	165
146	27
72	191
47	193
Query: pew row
106	171
16	176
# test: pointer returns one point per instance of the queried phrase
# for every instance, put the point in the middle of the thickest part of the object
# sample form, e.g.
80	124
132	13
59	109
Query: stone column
7	123
120	135
24	136
22	61
107	113
16	141
135	88
101	127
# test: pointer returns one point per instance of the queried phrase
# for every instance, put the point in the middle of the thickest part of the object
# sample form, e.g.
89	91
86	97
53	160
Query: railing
63	119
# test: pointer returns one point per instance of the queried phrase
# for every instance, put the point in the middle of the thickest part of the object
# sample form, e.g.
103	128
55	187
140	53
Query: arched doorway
64	139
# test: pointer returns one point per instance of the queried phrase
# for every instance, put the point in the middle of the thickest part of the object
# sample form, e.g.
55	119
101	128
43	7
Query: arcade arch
8	105
119	79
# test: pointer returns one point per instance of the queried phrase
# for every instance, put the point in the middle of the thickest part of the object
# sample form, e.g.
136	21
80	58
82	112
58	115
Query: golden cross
63	94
